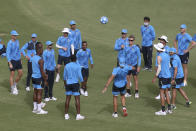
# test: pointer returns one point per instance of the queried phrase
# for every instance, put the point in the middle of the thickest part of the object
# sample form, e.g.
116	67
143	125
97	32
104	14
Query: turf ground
47	18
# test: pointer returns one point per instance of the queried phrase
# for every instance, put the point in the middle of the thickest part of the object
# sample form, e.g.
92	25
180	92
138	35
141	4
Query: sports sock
128	91
34	105
169	107
115	113
163	108
136	91
39	107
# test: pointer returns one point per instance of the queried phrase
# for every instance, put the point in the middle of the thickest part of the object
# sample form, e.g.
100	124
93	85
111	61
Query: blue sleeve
64	74
90	56
8	52
23	49
177	37
189	38
117	46
114	72
174	63
153	33
54	59
139	57
44	58
80	74
58	41
80	39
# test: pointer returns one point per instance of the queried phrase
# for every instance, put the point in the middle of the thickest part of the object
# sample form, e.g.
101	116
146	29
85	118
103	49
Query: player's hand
154	79
45	83
27	57
133	68
32	55
138	69
122	46
46	77
104	90
10	65
185	51
173	82
64	48
92	66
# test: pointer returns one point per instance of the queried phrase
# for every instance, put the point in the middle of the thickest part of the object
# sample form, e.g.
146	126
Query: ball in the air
104	20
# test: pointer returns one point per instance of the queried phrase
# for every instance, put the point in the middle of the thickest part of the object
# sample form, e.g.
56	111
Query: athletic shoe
158	97
160	113
137	95
47	99
115	115
42	112
173	107
125	112
188	103
80	117
57	78
86	93
127	95
34	111
43	104
67	117
82	91
14	91
150	69
130	84
185	83
145	68
169	111
53	98
28	89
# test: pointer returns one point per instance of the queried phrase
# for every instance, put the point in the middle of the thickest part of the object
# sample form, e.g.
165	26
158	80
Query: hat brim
15	34
157	48
163	39
66	32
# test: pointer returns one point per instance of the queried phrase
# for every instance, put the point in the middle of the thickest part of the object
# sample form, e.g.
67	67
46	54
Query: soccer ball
104	20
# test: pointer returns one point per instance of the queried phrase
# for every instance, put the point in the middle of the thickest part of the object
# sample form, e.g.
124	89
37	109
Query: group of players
171	66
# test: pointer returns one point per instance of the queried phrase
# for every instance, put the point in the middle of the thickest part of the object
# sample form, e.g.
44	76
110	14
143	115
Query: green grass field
48	17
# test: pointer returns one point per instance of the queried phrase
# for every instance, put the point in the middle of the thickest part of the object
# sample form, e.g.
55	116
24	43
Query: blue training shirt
75	35
72	73
13	50
36	73
148	35
49	59
176	62
83	57
120	74
165	65
132	55
194	38
166	51
117	47
30	47
183	42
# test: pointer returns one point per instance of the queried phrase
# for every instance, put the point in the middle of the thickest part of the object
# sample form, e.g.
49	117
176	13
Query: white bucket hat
159	47
163	37
66	30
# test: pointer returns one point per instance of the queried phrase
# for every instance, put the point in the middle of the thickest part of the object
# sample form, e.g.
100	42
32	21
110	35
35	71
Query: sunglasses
131	40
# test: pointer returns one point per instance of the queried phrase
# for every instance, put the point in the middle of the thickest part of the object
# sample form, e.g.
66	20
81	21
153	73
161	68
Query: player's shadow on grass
6	84
61	108
192	81
108	108
29	99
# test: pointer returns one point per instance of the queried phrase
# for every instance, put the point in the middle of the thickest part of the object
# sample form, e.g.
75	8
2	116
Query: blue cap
183	26
173	50
72	22
13	32
124	31
49	42
122	62
34	35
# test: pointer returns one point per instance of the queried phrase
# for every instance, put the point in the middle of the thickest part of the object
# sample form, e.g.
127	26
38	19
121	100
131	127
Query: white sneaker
47	99
127	95
43	104
34	111
169	111
137	95
82	91
15	91
160	113
57	78
86	93
28	89
158	97
67	117
80	117
185	83
42	112
115	115
53	98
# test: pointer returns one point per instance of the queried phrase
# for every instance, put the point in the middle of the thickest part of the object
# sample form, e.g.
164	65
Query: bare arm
158	69
41	64
108	83
175	45
193	43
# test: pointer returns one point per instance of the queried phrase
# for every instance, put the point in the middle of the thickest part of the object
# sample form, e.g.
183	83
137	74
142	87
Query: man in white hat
64	45
164	75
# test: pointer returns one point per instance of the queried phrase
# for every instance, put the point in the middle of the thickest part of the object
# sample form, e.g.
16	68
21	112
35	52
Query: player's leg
46	97
35	101
123	100
168	101
20	73
173	103
67	101
149	57
115	105
183	93
144	52
162	95
59	64
51	84
39	101
185	70
136	86
128	93
12	73
29	73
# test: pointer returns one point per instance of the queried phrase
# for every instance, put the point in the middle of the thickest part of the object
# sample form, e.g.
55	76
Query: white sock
78	114
39	107
12	87
34	105
124	108
15	84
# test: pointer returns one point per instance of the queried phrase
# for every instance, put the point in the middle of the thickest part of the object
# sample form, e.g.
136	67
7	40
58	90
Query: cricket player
30	48
83	57
2	49
14	61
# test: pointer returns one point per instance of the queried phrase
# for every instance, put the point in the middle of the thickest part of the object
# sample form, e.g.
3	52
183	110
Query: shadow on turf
192	81
6	84
108	108
29	99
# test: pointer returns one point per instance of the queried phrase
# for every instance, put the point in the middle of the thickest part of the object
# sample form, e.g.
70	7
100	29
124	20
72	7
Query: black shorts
17	65
116	91
178	81
62	59
164	83
73	89
37	81
85	72
133	72
184	58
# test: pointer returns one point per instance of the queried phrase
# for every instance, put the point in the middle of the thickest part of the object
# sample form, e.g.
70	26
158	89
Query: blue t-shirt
120	74
166	51
72	73
49	60
75	35
148	35
117	47
165	65
83	57
13	50
132	55
30	47
194	38
183	42
64	42
36	73
176	62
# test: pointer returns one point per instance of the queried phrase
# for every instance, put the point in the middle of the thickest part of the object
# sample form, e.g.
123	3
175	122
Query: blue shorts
179	83
37	83
164	83
116	90
72	89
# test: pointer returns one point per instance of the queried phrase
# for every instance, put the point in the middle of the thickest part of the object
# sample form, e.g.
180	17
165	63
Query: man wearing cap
148	36
164	75
49	67
177	77
184	39
30	47
2	49
120	44
64	45
14	61
76	36
119	75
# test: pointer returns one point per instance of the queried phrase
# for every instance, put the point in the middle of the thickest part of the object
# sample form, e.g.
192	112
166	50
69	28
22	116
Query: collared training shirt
165	65
117	47
64	42
30	47
83	57
176	62
49	59
36	73
76	37
72	73
183	42
132	55
120	74
148	35
13	50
